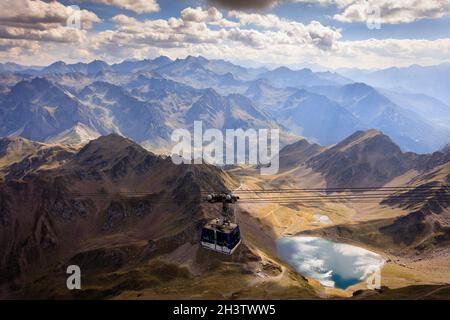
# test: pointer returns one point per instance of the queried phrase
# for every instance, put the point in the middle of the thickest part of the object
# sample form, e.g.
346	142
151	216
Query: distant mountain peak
112	138
28	88
283	69
112	153
162	58
78	134
41	81
360	137
11	140
210	92
97	61
197	59
359	85
15	148
446	149
364	159
286	70
366	134
112	143
57	64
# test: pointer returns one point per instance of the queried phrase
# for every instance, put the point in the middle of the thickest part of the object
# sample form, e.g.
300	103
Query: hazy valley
145	100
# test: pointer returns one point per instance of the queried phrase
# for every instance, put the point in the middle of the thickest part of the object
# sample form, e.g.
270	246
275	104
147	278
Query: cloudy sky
328	33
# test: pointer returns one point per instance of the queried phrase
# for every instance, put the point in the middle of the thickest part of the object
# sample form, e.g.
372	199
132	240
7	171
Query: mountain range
428	80
146	100
133	217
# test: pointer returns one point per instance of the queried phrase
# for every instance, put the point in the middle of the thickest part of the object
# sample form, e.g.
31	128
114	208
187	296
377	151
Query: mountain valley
86	179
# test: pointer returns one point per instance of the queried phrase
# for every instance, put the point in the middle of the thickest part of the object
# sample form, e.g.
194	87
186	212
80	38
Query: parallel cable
353	189
297	195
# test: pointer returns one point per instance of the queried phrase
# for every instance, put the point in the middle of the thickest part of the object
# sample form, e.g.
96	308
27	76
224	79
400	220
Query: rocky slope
129	218
369	159
363	159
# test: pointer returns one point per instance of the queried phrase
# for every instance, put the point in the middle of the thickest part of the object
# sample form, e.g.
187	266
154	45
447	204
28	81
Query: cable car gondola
220	234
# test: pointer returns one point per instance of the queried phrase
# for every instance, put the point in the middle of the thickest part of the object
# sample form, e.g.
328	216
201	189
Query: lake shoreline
333	264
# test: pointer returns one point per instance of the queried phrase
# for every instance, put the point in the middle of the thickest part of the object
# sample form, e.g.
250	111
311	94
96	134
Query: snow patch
322	219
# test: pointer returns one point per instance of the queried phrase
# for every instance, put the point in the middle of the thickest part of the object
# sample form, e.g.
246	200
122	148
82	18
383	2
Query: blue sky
328	33
425	28
302	12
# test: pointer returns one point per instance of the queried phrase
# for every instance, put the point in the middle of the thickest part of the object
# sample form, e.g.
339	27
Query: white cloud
13	47
211	16
138	6
35	36
42	21
200	15
159	33
247	4
390	11
373	53
294	32
57	34
265	21
194	27
264	38
338	3
37	14
394	12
